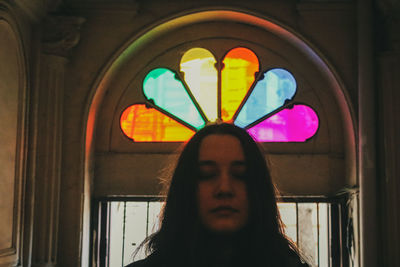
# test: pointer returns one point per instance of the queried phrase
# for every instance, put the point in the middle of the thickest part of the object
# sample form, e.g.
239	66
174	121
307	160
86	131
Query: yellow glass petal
201	76
142	124
237	76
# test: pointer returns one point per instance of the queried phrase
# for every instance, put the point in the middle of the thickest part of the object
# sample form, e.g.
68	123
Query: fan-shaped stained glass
266	107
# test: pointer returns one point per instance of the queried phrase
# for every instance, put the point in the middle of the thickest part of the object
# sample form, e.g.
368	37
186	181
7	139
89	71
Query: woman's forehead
222	147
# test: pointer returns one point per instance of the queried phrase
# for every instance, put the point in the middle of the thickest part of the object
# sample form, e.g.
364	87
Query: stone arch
128	51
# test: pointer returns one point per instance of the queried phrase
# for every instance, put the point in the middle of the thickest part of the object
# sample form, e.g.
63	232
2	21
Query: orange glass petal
237	76
201	76
142	124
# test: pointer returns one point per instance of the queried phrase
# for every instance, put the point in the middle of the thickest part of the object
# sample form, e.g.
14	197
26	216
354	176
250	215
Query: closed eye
238	170
207	170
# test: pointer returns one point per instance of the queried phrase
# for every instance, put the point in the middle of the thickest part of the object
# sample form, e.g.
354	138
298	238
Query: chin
225	228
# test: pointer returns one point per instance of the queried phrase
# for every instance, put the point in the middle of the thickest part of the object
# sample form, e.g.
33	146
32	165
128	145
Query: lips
224	210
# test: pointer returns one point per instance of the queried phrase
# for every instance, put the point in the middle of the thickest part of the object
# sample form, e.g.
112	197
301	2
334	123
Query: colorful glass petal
289	125
269	94
201	76
167	92
144	124
238	74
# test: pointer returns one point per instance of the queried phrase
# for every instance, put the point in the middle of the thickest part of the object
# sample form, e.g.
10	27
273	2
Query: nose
224	187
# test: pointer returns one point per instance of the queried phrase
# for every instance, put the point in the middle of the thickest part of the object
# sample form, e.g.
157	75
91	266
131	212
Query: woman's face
222	194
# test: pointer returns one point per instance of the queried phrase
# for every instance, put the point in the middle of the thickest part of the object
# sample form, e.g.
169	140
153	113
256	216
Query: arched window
195	70
229	66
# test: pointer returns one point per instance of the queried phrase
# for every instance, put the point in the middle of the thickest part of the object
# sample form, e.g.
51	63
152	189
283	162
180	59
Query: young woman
220	208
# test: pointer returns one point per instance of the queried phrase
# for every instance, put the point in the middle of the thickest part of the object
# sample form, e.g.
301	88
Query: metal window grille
319	227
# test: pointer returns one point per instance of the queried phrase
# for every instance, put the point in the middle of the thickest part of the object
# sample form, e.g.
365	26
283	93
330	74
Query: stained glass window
205	91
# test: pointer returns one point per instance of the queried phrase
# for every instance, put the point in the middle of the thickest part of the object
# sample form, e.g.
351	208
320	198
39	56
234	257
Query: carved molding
61	34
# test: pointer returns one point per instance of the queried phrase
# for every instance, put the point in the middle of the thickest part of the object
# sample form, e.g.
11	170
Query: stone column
60	34
389	95
390	163
367	138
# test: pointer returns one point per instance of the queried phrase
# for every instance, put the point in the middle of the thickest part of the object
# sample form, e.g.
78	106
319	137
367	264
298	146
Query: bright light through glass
270	93
143	124
306	224
237	76
206	94
296	124
162	87
201	76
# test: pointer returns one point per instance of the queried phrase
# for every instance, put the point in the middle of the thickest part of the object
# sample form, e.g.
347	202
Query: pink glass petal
289	125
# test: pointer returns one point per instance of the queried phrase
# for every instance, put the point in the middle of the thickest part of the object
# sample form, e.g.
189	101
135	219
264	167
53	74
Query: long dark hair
177	240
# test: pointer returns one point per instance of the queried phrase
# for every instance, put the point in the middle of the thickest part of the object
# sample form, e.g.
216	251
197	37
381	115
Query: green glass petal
162	87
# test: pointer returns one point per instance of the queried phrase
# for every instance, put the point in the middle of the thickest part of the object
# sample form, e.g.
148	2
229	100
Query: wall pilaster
367	145
390	173
60	35
388	85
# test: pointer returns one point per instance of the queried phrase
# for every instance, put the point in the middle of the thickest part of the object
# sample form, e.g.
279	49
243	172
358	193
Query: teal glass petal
166	91
269	94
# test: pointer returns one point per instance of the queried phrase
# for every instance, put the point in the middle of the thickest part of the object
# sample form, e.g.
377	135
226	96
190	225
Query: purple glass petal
289	125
